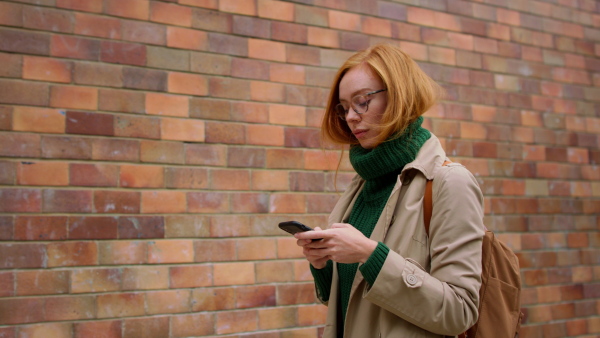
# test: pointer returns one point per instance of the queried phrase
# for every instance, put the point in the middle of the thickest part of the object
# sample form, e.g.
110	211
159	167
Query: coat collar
429	159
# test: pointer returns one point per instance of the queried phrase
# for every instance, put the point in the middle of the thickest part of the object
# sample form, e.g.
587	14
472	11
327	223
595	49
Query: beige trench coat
427	287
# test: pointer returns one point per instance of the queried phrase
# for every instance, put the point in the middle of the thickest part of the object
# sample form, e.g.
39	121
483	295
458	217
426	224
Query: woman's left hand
342	242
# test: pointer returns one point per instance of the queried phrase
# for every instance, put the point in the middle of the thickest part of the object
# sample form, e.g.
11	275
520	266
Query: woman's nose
352	115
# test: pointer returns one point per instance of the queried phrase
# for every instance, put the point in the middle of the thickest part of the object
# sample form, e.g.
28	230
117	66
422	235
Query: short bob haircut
410	93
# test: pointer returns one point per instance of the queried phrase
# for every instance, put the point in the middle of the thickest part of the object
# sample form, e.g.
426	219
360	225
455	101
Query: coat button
411	279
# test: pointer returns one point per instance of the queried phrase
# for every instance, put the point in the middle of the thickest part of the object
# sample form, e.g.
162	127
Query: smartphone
294	226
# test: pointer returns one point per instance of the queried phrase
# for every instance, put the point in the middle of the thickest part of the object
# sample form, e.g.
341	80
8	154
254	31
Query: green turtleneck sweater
379	167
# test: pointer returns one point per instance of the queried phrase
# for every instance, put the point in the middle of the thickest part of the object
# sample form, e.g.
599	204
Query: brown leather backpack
500	294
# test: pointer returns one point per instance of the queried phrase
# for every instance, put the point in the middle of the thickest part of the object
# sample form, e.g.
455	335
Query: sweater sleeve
323	279
370	270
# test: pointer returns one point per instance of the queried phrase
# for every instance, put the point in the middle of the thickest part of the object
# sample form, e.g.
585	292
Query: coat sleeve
445	300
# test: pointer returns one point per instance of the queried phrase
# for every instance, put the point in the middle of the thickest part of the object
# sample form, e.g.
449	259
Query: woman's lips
359	133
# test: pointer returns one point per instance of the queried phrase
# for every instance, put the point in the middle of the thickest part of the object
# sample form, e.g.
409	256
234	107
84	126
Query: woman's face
361	80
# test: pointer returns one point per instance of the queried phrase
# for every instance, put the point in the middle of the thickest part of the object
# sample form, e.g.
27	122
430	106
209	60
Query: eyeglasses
359	103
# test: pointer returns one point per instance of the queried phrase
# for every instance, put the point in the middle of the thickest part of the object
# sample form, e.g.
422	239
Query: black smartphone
294	226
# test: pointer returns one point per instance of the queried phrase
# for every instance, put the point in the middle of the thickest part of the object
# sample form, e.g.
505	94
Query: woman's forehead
359	79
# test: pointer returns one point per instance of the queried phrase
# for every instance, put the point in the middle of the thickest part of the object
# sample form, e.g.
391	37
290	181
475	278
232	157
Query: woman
376	268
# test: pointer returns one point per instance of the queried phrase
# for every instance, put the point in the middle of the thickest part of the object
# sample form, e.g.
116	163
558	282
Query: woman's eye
361	101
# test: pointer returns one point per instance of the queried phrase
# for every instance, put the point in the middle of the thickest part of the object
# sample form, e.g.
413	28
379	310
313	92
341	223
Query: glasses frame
339	108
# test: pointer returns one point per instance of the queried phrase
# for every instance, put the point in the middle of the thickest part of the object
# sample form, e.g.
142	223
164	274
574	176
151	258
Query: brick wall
149	148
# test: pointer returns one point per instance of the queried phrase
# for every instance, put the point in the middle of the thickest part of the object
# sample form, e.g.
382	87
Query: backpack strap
428	202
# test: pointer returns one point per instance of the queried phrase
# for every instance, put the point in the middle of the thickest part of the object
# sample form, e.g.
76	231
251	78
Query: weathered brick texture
149	148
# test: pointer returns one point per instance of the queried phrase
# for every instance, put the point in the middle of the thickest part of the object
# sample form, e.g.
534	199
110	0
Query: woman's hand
341	243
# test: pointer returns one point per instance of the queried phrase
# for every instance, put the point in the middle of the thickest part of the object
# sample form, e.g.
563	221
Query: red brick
269	180
284	158
245	157
75	47
236	321
171	105
46	69
206	154
66	147
67	200
230	179
161	152
89	123
94	175
6	116
211	299
97	26
182	130
26	42
72	254
295	294
92	227
190	84
21	310
311	315
214	251
25	93
229	226
7	285
163	202
320	160
216	21
38	120
135	9
20	145
36	228
264	135
146	33
97	329
275	271
121	101
169	301
250	203
146	278
122	252
255	296
156	327
186	178
289	32
141	227
187	276
105	75
201	3
170	251
208	202
206	108
11	14
80	5
95	280
120	305
47	19
228	133
172	14
70	308
116	202
185	38
287	203
74	97
42	173
123	53
22	256
115	150
186	226
20	200
137	127
42	282
197	324
244	7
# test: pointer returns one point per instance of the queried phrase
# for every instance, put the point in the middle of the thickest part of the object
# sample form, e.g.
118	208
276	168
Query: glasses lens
360	103
341	111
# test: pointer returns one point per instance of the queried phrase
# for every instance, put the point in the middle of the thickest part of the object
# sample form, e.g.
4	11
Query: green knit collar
390	156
